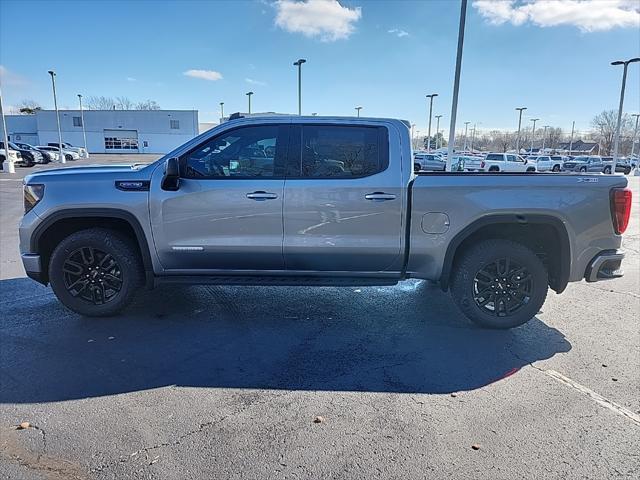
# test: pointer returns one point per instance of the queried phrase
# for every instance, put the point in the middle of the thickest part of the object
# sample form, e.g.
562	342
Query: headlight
32	195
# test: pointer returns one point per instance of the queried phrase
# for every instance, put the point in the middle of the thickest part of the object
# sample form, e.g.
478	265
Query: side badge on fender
587	179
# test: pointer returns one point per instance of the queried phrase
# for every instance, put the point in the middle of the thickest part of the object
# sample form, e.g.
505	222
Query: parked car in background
429	162
28	152
68	154
546	163
584	164
507	162
41	156
82	153
607	165
623	165
12	154
18	159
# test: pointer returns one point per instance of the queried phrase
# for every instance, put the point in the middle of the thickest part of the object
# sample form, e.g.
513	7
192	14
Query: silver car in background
429	162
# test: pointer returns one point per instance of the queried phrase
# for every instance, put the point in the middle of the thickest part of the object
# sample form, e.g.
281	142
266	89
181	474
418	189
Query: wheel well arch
545	235
60	225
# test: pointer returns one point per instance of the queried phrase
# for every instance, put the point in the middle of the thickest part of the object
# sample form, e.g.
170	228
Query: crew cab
507	162
546	163
324	201
584	164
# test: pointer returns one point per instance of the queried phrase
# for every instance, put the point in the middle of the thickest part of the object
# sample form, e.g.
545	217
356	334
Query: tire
583	169
102	246
470	277
627	170
531	170
68	157
494	169
607	170
556	168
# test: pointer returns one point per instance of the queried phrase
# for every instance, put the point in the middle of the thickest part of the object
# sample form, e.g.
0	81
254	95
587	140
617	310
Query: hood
89	169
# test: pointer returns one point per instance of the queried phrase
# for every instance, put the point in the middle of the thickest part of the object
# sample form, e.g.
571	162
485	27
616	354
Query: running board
286	281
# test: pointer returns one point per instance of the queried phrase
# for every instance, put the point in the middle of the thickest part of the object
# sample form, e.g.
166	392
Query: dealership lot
227	381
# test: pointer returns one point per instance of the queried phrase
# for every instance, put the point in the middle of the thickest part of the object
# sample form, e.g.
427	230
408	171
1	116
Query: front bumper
33	267
605	266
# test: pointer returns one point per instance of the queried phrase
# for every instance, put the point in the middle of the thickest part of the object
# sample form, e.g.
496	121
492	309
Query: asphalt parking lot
225	382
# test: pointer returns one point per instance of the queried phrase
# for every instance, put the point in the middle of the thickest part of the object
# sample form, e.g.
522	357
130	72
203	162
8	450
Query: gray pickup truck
318	201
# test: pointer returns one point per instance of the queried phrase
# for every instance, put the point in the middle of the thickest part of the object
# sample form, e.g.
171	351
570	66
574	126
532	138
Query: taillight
620	209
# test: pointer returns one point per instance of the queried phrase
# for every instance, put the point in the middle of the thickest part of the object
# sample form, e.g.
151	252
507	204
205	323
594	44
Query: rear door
343	208
227	212
515	163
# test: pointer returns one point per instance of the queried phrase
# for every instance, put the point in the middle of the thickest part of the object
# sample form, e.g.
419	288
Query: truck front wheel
499	284
95	272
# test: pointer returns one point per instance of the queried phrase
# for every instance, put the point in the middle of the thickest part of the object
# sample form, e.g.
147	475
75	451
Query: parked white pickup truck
507	162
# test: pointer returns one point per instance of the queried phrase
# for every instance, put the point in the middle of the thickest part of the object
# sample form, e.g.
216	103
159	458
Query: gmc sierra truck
318	201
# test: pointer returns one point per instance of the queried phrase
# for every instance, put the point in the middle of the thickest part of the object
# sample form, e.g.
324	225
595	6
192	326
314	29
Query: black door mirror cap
171	177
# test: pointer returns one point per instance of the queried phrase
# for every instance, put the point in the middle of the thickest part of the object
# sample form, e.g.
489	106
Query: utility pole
635	134
248	94
456	83
438	145
533	133
221	112
624	82
358	110
520	109
413	126
473	137
430	97
544	137
55	104
466	126
573	128
84	132
299	65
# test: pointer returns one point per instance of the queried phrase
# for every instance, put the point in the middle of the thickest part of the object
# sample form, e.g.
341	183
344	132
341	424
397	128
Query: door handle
260	196
380	196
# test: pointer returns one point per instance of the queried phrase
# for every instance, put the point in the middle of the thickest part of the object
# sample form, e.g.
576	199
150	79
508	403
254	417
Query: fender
128	217
556	223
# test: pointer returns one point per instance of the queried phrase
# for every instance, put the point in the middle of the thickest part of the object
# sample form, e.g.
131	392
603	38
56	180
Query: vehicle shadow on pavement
407	338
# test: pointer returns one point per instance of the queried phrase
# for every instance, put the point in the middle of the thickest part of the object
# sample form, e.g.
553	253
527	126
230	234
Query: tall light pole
299	65
473	137
430	97
624	82
358	108
466	127
520	109
84	132
456	83
533	133
635	134
8	165
438	117
248	94
55	104
544	137
573	128
413	126
221	112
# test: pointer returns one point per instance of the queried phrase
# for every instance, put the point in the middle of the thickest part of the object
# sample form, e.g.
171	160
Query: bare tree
124	103
554	137
604	125
29	107
100	103
147	105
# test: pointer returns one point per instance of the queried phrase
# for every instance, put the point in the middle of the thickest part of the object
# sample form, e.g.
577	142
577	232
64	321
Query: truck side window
241	153
333	151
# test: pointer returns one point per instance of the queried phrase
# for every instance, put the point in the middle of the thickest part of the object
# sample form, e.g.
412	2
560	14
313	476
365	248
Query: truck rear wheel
499	284
95	272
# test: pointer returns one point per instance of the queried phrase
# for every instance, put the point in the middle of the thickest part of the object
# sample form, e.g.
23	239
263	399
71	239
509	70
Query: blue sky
386	56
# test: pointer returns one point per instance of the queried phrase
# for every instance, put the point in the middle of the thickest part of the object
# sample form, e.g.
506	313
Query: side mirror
171	177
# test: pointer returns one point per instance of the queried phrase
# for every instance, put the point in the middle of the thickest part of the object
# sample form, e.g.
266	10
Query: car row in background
511	162
25	155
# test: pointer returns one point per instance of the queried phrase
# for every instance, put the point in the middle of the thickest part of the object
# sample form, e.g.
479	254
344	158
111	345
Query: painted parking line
596	397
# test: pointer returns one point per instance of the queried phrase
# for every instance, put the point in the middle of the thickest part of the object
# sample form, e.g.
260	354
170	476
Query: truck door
343	206
227	212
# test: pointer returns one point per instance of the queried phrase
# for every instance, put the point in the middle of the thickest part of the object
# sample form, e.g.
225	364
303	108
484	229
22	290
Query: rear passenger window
330	151
494	156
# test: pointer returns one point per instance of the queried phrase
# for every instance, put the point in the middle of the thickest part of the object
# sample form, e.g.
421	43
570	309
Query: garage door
120	141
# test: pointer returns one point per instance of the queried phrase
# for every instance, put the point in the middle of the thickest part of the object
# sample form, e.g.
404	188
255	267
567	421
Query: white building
108	131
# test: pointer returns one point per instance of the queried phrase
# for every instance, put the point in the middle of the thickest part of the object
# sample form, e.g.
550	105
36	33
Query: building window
77	121
175	124
120	143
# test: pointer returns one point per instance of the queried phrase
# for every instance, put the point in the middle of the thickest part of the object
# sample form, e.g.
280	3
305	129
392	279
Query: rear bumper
605	266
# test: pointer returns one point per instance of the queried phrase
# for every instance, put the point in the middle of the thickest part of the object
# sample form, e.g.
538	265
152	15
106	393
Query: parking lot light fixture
248	94
299	65
358	108
55	104
8	161
221	112
533	133
438	117
544	137
84	132
625	63
430	97
456	84
635	134
520	109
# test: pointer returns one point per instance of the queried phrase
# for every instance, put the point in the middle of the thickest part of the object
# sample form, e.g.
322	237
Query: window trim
283	129
383	148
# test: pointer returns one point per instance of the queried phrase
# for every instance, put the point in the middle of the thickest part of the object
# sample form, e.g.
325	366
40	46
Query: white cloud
204	74
255	82
11	79
398	32
326	19
131	79
587	15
